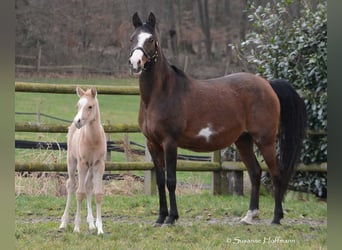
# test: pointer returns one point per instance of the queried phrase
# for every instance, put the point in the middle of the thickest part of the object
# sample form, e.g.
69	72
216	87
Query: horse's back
220	110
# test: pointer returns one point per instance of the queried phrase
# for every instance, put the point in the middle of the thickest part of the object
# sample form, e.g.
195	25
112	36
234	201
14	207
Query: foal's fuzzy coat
86	151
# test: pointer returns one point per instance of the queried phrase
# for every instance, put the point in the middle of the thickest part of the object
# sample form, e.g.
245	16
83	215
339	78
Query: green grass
206	222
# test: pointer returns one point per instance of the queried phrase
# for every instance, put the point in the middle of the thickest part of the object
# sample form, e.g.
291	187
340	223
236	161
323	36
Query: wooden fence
227	176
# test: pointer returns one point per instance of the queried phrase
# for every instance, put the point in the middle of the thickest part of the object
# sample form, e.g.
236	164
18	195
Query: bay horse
86	152
207	115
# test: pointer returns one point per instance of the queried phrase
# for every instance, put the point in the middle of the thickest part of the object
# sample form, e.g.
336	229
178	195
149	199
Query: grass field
206	222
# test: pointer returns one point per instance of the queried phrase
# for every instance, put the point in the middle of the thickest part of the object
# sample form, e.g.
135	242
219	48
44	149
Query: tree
295	49
205	24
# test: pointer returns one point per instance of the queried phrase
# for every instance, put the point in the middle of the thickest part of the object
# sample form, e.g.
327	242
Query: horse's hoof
277	223
170	221
157	224
246	221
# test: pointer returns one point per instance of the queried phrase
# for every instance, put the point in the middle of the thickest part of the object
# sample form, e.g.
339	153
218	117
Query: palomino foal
86	151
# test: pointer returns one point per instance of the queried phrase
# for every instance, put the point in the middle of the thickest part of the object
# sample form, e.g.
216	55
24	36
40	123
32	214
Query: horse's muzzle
78	124
135	71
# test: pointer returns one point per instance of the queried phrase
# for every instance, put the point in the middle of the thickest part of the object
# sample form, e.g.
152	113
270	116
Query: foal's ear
136	20
93	91
151	20
79	91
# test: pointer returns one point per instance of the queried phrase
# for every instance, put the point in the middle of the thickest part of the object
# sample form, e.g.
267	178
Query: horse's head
87	107
144	43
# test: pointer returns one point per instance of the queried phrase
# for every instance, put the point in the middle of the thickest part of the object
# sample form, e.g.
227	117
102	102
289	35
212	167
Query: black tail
292	129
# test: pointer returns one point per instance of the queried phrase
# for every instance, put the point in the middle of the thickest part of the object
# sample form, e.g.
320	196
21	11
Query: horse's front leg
157	155
71	187
80	193
170	150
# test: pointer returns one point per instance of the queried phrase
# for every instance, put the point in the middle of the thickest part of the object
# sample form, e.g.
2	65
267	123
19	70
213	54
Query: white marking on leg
206	132
251	214
90	217
99	219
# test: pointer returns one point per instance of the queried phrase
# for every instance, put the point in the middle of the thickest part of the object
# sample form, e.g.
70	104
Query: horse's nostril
139	62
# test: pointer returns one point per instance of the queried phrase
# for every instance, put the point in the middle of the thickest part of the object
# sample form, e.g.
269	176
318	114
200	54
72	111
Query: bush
295	49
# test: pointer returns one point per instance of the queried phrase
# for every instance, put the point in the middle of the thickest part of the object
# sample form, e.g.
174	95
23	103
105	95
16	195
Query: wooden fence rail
71	89
223	172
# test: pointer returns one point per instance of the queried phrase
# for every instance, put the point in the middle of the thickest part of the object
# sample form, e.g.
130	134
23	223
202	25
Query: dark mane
179	71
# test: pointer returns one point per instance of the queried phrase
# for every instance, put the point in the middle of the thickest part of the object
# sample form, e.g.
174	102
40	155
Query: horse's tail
292	130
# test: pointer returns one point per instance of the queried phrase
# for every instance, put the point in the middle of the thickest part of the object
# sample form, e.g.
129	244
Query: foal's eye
90	107
151	40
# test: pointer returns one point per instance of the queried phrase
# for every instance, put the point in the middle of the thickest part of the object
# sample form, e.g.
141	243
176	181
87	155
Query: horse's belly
207	140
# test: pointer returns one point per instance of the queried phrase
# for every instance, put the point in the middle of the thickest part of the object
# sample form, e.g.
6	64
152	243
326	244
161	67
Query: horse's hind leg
89	192
268	151
71	187
245	146
98	191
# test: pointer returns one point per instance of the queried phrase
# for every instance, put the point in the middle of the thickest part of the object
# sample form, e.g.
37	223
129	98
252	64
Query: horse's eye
90	107
151	40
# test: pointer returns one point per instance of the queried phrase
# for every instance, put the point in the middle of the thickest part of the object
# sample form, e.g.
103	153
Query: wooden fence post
219	182
235	182
150	180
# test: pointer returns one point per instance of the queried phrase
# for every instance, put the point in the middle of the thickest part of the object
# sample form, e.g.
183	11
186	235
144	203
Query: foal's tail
292	130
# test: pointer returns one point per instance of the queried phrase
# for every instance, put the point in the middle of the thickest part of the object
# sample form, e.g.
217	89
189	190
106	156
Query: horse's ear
93	91
136	20
152	19
79	91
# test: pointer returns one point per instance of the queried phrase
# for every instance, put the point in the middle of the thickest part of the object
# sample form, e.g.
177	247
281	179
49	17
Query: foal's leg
157	155
170	150
80	193
245	147
269	153
71	187
89	192
98	191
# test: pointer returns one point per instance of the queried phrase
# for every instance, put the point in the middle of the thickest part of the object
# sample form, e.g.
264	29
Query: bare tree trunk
173	29
205	24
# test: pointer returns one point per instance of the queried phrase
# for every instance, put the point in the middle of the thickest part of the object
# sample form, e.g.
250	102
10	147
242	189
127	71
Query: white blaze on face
206	132
137	55
82	103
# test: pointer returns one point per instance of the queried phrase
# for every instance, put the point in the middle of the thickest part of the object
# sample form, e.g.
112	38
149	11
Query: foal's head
144	43
87	107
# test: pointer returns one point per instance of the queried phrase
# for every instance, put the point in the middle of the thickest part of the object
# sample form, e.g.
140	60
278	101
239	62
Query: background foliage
295	49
